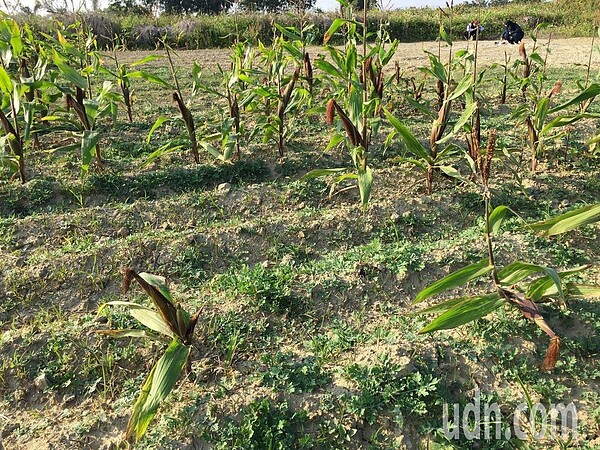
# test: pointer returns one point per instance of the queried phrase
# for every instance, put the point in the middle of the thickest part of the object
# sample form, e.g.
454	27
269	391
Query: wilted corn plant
537	114
222	138
358	86
511	284
167	324
435	157
276	86
124	73
17	87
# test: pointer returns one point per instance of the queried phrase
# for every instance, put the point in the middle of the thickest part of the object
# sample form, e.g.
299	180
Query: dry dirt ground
564	52
64	387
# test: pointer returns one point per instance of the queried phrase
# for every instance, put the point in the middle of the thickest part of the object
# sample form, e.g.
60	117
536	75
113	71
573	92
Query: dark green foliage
277	6
284	373
263	425
267	289
383	386
193	6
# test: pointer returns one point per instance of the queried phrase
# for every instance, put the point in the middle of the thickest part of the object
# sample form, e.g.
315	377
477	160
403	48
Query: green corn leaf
541	112
462	87
445	37
6	85
318	173
517	271
411	142
145	60
337	23
149	77
88	147
69	73
15	40
335	140
592	91
583	290
328	68
497	217
462	120
146	316
455	279
157	124
562	121
451	172
568	221
365	183
158	385
546	286
169	147
469	309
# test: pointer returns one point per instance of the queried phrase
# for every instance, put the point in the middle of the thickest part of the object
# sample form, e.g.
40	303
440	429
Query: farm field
307	334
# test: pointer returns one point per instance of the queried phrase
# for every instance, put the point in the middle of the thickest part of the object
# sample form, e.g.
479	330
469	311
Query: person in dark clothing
472	30
512	32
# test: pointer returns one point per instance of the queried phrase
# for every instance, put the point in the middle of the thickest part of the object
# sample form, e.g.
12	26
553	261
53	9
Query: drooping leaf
497	217
317	173
411	142
69	73
455	279
568	221
517	271
146	316
592	91
365	183
88	147
158	385
162	303
471	308
158	123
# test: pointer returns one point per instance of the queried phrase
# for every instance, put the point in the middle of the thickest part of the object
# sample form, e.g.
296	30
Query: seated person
512	32
472	29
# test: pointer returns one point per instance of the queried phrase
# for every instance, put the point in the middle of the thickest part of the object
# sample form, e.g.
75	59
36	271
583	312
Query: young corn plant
17	93
186	115
280	88
125	73
512	284
168	324
437	157
356	81
88	111
542	121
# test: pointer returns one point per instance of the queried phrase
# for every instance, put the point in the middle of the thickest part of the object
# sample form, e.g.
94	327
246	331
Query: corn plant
24	93
227	132
437	156
125	73
356	81
540	123
88	111
186	115
583	107
510	284
168	324
279	88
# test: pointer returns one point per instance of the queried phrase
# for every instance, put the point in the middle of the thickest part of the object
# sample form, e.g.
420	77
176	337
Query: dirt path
564	52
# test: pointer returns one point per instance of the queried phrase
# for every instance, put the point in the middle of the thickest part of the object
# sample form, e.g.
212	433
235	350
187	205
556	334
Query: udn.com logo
530	421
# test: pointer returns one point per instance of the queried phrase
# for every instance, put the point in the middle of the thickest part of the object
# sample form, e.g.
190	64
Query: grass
307	337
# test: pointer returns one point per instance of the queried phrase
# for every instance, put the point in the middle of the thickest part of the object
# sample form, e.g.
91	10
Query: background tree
276	6
193	6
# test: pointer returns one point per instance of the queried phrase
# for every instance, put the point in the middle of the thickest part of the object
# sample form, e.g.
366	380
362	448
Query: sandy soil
411	55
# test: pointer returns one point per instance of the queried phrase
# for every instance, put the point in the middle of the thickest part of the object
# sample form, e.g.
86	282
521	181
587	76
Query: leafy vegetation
301	245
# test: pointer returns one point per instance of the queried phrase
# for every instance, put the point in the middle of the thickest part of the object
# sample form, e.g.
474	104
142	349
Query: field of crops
298	245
